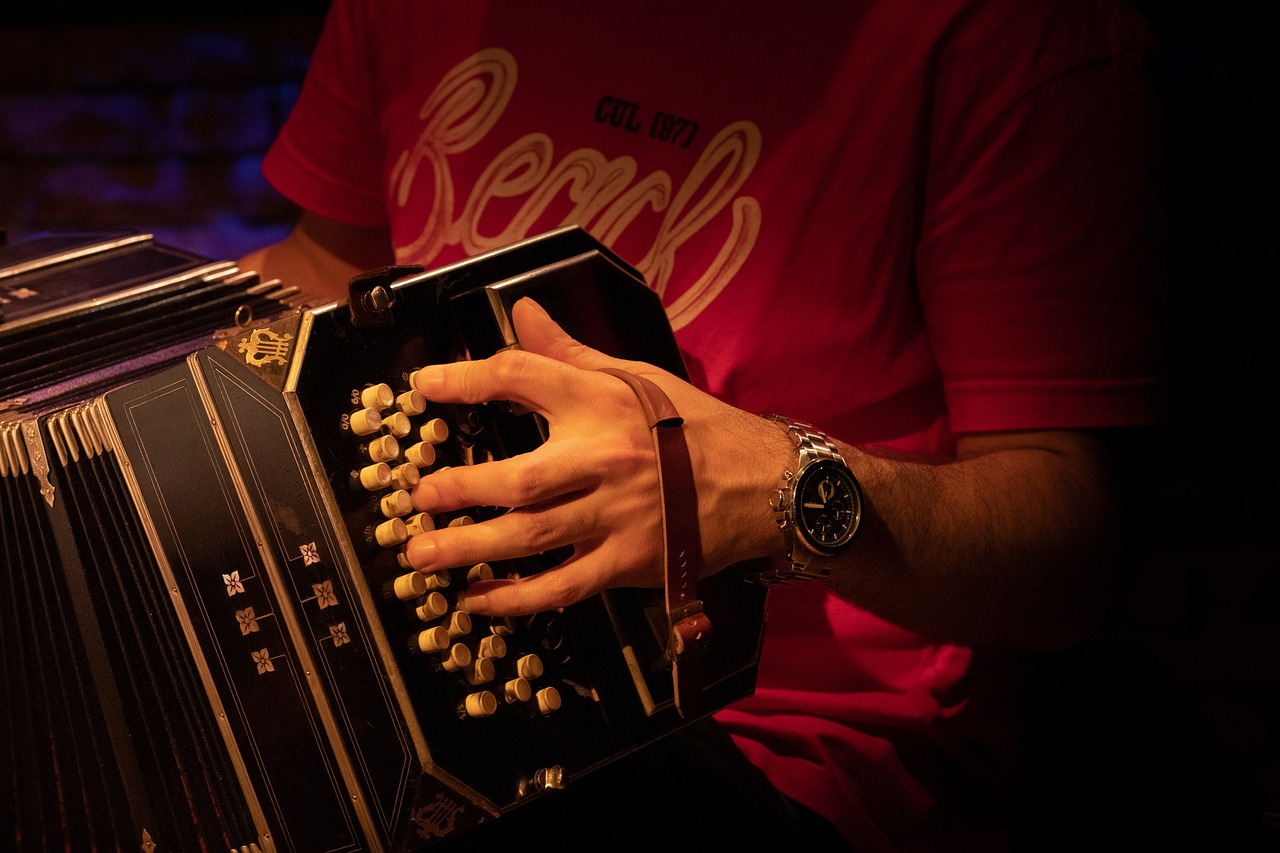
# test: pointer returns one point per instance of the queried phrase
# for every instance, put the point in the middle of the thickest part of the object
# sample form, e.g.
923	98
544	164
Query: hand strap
689	628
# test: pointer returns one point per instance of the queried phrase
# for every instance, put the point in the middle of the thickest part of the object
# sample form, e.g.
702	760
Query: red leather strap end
682	552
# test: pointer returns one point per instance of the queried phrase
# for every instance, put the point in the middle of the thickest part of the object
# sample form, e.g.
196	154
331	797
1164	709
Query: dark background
158	121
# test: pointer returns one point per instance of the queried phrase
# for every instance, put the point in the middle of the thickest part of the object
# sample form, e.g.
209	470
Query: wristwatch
818	507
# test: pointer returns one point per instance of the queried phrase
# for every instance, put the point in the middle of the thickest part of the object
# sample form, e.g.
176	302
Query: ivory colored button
481	704
434	431
438	580
432	640
492	646
398	424
459	623
529	666
517	690
481	672
384	448
421	454
366	422
391	533
409	586
458	657
548	699
375	477
405	476
420	522
432	606
479	572
378	397
395	504
411	403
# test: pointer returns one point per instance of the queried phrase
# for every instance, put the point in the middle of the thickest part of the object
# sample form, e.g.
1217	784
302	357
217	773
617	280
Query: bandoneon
211	638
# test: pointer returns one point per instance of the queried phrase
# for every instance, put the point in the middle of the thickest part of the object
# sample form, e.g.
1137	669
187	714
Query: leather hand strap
689	627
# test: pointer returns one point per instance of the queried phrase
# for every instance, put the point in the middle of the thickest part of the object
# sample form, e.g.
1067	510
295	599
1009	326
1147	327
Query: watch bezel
804	481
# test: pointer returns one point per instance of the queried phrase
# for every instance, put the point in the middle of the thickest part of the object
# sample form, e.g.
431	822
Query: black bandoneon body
210	640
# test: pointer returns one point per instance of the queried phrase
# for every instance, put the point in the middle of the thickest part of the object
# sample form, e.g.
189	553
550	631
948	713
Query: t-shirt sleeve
328	157
1038	257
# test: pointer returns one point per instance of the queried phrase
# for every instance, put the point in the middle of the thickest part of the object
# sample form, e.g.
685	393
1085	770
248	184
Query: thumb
540	334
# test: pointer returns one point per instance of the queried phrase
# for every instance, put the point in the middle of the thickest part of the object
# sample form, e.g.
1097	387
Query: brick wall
151	123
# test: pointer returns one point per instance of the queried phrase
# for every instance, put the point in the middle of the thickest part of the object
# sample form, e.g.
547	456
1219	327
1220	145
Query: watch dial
828	506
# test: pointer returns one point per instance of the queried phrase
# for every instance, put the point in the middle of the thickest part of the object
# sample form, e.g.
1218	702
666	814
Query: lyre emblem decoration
438	818
264	347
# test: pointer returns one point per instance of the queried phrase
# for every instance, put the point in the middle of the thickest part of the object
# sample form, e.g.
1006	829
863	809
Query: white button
434	431
517	690
396	504
459	623
411	403
481	704
391	533
384	448
419	522
409	586
366	422
458	657
405	476
481	672
375	478
432	606
398	424
438	580
529	666
492	646
378	397
421	454
548	699
433	640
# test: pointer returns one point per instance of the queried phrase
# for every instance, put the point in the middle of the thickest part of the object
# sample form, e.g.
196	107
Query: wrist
817	505
738	524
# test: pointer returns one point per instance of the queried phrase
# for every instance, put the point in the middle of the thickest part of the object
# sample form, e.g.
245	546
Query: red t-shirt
895	220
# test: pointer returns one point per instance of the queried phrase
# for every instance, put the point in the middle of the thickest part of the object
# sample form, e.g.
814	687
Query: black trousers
690	789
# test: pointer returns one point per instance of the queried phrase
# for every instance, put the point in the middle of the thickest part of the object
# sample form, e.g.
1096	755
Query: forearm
1012	543
1010	547
320	256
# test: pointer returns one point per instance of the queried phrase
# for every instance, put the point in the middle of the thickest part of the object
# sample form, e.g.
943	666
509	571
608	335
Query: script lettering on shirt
607	195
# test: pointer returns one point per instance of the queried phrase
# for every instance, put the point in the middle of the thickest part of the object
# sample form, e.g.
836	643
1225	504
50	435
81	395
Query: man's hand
594	483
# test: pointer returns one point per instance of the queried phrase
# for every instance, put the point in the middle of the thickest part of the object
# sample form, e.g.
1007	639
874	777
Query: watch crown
779	500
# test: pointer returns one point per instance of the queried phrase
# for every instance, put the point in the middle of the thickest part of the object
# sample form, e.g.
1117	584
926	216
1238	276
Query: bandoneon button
377	396
366	422
391	533
409	586
432	640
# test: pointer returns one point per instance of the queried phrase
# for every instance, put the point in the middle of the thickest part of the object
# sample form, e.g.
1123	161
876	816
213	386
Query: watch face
828	506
